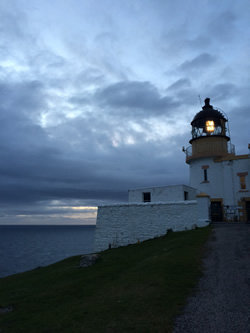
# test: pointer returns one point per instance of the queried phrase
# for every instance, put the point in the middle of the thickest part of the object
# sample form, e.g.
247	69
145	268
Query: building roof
207	113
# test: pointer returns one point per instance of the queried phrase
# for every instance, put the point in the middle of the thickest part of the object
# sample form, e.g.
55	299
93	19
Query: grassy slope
138	288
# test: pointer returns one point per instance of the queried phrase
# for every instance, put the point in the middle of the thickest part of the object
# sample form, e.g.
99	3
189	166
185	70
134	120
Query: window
146	197
185	195
243	182
205	175
209	126
242	178
204	168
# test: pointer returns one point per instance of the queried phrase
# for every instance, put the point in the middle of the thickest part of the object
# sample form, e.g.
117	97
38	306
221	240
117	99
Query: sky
97	98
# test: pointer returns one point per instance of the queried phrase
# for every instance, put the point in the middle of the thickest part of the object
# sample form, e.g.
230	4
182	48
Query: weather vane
200	99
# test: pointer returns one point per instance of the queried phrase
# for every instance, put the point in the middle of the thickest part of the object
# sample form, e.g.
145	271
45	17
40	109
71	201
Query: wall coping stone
160	186
155	203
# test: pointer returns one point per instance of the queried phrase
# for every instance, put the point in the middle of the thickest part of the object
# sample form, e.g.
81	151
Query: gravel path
222	301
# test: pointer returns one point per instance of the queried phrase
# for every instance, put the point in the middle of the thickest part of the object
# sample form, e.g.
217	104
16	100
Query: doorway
216	210
248	211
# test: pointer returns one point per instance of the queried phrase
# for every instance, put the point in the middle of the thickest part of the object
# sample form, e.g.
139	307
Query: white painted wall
124	224
203	204
215	186
223	181
241	166
162	193
229	194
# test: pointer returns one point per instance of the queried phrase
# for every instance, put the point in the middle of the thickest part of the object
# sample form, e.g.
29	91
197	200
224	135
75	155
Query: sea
26	247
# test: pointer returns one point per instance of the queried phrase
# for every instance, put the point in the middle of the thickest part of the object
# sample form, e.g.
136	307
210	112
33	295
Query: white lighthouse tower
214	167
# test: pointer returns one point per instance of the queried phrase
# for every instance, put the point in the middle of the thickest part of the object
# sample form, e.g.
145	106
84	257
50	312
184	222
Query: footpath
221	303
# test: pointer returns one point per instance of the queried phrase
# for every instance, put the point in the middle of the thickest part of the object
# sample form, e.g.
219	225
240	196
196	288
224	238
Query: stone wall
123	224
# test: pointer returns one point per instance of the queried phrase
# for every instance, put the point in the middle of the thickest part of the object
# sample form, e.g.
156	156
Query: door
216	211
248	211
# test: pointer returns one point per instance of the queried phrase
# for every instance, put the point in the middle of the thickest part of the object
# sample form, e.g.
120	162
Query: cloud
223	91
12	24
203	61
22	97
221	26
180	84
85	157
237	124
90	76
140	97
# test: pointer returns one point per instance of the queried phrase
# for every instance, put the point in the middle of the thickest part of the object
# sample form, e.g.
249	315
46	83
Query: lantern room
210	134
209	122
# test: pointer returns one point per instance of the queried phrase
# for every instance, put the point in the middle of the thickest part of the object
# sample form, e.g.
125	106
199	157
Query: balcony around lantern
209	149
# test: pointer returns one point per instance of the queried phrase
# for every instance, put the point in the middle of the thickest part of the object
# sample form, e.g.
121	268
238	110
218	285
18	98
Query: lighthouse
219	190
215	169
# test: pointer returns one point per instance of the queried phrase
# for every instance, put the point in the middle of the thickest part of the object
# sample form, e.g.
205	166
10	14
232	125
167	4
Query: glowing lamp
209	126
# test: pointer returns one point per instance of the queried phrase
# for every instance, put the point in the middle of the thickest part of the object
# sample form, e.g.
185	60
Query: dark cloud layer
141	96
203	60
34	167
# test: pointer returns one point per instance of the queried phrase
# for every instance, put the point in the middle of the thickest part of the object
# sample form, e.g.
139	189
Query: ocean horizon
28	246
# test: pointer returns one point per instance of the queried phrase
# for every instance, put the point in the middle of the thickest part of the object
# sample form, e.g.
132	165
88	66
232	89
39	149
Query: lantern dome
209	121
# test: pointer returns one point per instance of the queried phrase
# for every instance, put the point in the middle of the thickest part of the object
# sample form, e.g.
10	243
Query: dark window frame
146	196
243	184
205	175
185	195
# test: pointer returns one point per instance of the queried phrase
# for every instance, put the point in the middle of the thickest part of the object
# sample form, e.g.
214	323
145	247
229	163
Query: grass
138	288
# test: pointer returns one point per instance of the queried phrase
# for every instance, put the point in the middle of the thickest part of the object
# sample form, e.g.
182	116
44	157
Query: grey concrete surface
221	302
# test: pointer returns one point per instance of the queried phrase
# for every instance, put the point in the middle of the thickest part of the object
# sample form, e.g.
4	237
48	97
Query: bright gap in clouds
76	214
56	214
82	208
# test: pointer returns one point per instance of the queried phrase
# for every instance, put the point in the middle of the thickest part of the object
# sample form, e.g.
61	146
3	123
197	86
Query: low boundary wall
123	224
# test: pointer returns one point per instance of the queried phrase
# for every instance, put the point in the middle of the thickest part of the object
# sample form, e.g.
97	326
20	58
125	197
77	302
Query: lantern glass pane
210	126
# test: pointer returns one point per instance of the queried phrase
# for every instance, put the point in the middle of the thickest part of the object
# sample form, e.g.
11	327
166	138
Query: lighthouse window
243	182
146	197
242	177
209	126
205	175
